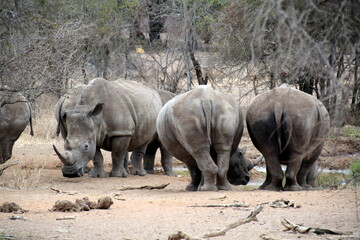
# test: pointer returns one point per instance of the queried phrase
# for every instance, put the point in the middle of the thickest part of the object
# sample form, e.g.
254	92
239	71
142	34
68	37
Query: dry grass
22	176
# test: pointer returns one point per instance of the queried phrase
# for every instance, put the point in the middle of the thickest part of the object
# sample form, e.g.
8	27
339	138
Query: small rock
65	206
12	207
104	203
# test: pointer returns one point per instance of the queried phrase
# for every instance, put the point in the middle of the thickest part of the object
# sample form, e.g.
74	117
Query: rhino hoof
118	174
191	187
294	187
224	187
139	172
208	187
270	187
150	171
95	174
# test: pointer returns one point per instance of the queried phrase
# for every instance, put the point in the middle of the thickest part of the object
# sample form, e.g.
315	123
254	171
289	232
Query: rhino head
239	167
82	132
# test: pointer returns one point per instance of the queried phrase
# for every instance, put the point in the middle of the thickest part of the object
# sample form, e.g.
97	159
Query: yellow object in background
140	50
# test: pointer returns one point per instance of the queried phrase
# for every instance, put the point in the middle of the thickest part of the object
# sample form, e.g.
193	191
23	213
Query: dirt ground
155	214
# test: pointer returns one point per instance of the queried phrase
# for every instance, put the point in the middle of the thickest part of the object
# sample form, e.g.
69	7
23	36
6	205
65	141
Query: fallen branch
66	218
64	192
243	204
22	218
301	229
7	165
147	187
252	217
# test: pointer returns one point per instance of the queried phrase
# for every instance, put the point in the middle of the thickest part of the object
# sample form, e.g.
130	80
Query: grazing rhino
15	115
116	116
155	144
203	128
288	127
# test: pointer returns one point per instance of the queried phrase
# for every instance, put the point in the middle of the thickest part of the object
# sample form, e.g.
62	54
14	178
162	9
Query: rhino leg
274	175
267	180
149	157
166	162
307	174
118	154
311	170
223	166
195	175
136	160
292	170
98	170
209	171
311	176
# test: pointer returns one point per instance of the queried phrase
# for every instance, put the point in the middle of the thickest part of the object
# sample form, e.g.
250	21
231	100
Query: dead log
252	217
234	205
147	187
7	165
302	229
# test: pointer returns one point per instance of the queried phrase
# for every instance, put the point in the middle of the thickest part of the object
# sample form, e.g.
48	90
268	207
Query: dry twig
7	165
66	218
243	204
252	217
64	192
301	229
147	187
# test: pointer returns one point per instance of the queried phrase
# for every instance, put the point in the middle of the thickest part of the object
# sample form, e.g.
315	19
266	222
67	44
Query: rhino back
198	119
287	119
130	108
14	116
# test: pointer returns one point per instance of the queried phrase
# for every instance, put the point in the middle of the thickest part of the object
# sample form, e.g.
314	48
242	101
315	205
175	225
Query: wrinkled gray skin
288	127
15	115
117	116
155	144
203	128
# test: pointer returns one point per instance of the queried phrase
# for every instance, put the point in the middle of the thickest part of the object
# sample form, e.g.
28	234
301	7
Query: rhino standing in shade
288	127
203	128
155	144
15	115
116	116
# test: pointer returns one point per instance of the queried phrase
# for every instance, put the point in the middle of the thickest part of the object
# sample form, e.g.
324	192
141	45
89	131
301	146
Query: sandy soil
155	214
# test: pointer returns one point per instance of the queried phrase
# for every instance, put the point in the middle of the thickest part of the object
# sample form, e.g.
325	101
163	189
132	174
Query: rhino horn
64	159
255	162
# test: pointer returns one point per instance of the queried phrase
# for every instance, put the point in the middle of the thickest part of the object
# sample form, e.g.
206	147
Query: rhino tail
283	127
206	107
30	119
59	117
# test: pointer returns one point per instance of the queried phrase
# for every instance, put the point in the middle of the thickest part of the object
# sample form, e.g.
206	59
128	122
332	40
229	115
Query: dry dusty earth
155	214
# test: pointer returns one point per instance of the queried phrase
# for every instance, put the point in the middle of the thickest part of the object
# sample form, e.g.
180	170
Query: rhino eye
86	147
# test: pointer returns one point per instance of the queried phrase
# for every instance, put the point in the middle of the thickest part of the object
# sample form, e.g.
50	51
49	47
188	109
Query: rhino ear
63	117
243	150
95	110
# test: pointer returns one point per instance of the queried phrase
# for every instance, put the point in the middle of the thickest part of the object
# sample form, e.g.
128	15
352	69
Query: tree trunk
102	63
355	100
197	67
156	21
306	82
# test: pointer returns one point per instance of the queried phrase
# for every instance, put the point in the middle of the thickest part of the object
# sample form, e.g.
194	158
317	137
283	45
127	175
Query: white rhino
116	116
155	144
288	127
203	128
15	115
